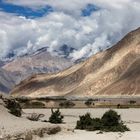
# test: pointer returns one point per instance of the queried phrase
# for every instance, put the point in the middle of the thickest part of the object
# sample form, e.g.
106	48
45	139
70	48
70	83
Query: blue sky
25	11
40	12
84	25
89	9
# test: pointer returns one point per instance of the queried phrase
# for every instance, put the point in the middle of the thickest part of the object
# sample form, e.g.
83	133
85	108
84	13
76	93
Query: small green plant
56	117
110	121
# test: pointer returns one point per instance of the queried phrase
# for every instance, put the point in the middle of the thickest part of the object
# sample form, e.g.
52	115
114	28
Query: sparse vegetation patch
56	117
110	121
13	106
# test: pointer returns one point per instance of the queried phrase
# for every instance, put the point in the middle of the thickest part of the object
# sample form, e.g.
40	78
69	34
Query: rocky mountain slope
41	61
7	81
115	71
14	70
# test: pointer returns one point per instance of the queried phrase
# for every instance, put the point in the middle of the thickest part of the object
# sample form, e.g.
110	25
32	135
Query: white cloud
66	26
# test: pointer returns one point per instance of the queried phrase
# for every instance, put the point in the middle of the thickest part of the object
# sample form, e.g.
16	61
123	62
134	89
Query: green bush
110	121
84	122
13	107
56	117
96	125
110	118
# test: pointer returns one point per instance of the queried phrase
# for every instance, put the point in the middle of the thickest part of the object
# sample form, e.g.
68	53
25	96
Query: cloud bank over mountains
87	26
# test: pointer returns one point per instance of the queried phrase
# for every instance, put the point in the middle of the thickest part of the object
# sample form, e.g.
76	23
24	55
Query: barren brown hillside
115	71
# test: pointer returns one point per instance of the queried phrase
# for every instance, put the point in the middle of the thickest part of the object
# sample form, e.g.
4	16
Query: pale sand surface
83	135
131	117
11	125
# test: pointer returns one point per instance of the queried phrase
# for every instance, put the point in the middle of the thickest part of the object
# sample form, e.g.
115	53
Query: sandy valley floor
130	116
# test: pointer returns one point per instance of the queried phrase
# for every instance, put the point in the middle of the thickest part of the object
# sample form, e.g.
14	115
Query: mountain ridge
91	77
16	69
40	61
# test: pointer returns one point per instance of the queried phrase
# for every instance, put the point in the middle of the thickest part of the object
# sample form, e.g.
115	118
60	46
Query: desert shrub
89	102
13	106
35	116
110	121
84	122
88	123
66	104
96	125
132	102
110	118
56	117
